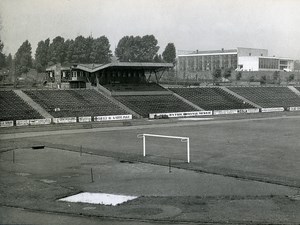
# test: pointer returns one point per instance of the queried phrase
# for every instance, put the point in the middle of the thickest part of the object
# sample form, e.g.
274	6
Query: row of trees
80	50
86	50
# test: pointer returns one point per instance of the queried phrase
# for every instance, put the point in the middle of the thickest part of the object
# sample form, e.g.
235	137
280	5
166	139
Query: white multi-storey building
241	59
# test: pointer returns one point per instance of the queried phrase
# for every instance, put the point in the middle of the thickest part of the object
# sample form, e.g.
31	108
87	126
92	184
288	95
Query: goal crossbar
183	139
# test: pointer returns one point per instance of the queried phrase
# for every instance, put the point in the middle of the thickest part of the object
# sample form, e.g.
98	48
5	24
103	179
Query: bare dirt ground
243	171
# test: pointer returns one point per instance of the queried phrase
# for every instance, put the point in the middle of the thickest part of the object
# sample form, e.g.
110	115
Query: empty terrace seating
68	103
134	87
211	98
145	104
12	107
269	96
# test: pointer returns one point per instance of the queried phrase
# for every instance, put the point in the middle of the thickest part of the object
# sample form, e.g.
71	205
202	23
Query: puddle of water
89	208
295	197
98	198
23	174
48	181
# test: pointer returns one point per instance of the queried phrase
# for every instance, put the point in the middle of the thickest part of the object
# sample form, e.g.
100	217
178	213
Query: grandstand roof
142	65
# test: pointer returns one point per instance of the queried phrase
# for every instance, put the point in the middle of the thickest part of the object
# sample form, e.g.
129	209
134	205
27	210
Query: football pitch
241	171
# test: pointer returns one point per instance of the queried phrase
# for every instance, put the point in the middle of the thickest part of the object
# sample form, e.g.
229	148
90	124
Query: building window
74	74
267	63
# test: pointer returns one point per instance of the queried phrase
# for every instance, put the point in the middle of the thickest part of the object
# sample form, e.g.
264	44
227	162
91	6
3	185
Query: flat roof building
241	59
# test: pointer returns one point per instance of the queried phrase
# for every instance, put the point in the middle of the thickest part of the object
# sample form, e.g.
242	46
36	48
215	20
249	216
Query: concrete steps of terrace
240	97
293	89
33	104
108	96
188	102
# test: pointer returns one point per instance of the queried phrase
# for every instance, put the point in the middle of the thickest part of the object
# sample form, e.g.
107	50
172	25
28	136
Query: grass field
242	171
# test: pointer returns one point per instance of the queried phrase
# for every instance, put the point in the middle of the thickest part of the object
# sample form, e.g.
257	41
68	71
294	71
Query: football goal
182	139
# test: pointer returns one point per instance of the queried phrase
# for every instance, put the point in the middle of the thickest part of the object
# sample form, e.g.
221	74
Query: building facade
240	59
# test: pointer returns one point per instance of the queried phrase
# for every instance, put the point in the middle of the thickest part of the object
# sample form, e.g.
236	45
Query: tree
69	48
169	54
276	76
9	61
2	56
100	52
23	58
137	49
149	48
291	77
158	58
57	53
263	79
217	73
238	76
227	73
251	78
41	55
79	50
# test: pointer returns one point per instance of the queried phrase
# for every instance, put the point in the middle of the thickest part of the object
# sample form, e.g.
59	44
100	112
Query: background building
240	59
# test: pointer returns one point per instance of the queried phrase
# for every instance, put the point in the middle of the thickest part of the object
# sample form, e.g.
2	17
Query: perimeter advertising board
277	109
40	121
180	114
64	120
113	117
7	123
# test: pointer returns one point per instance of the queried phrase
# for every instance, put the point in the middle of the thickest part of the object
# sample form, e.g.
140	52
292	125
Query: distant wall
246	75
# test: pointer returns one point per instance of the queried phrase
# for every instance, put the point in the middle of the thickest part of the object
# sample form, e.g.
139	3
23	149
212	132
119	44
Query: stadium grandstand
119	90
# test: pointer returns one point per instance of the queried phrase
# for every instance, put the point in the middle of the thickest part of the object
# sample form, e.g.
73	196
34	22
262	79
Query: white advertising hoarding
294	108
64	120
113	117
235	111
181	114
83	119
7	123
22	123
40	121
277	109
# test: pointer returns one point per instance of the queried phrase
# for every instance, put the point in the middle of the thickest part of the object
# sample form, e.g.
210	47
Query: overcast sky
189	24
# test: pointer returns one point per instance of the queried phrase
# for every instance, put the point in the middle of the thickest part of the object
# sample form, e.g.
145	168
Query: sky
189	24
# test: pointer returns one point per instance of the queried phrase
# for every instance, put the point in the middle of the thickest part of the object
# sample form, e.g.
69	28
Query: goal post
182	139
